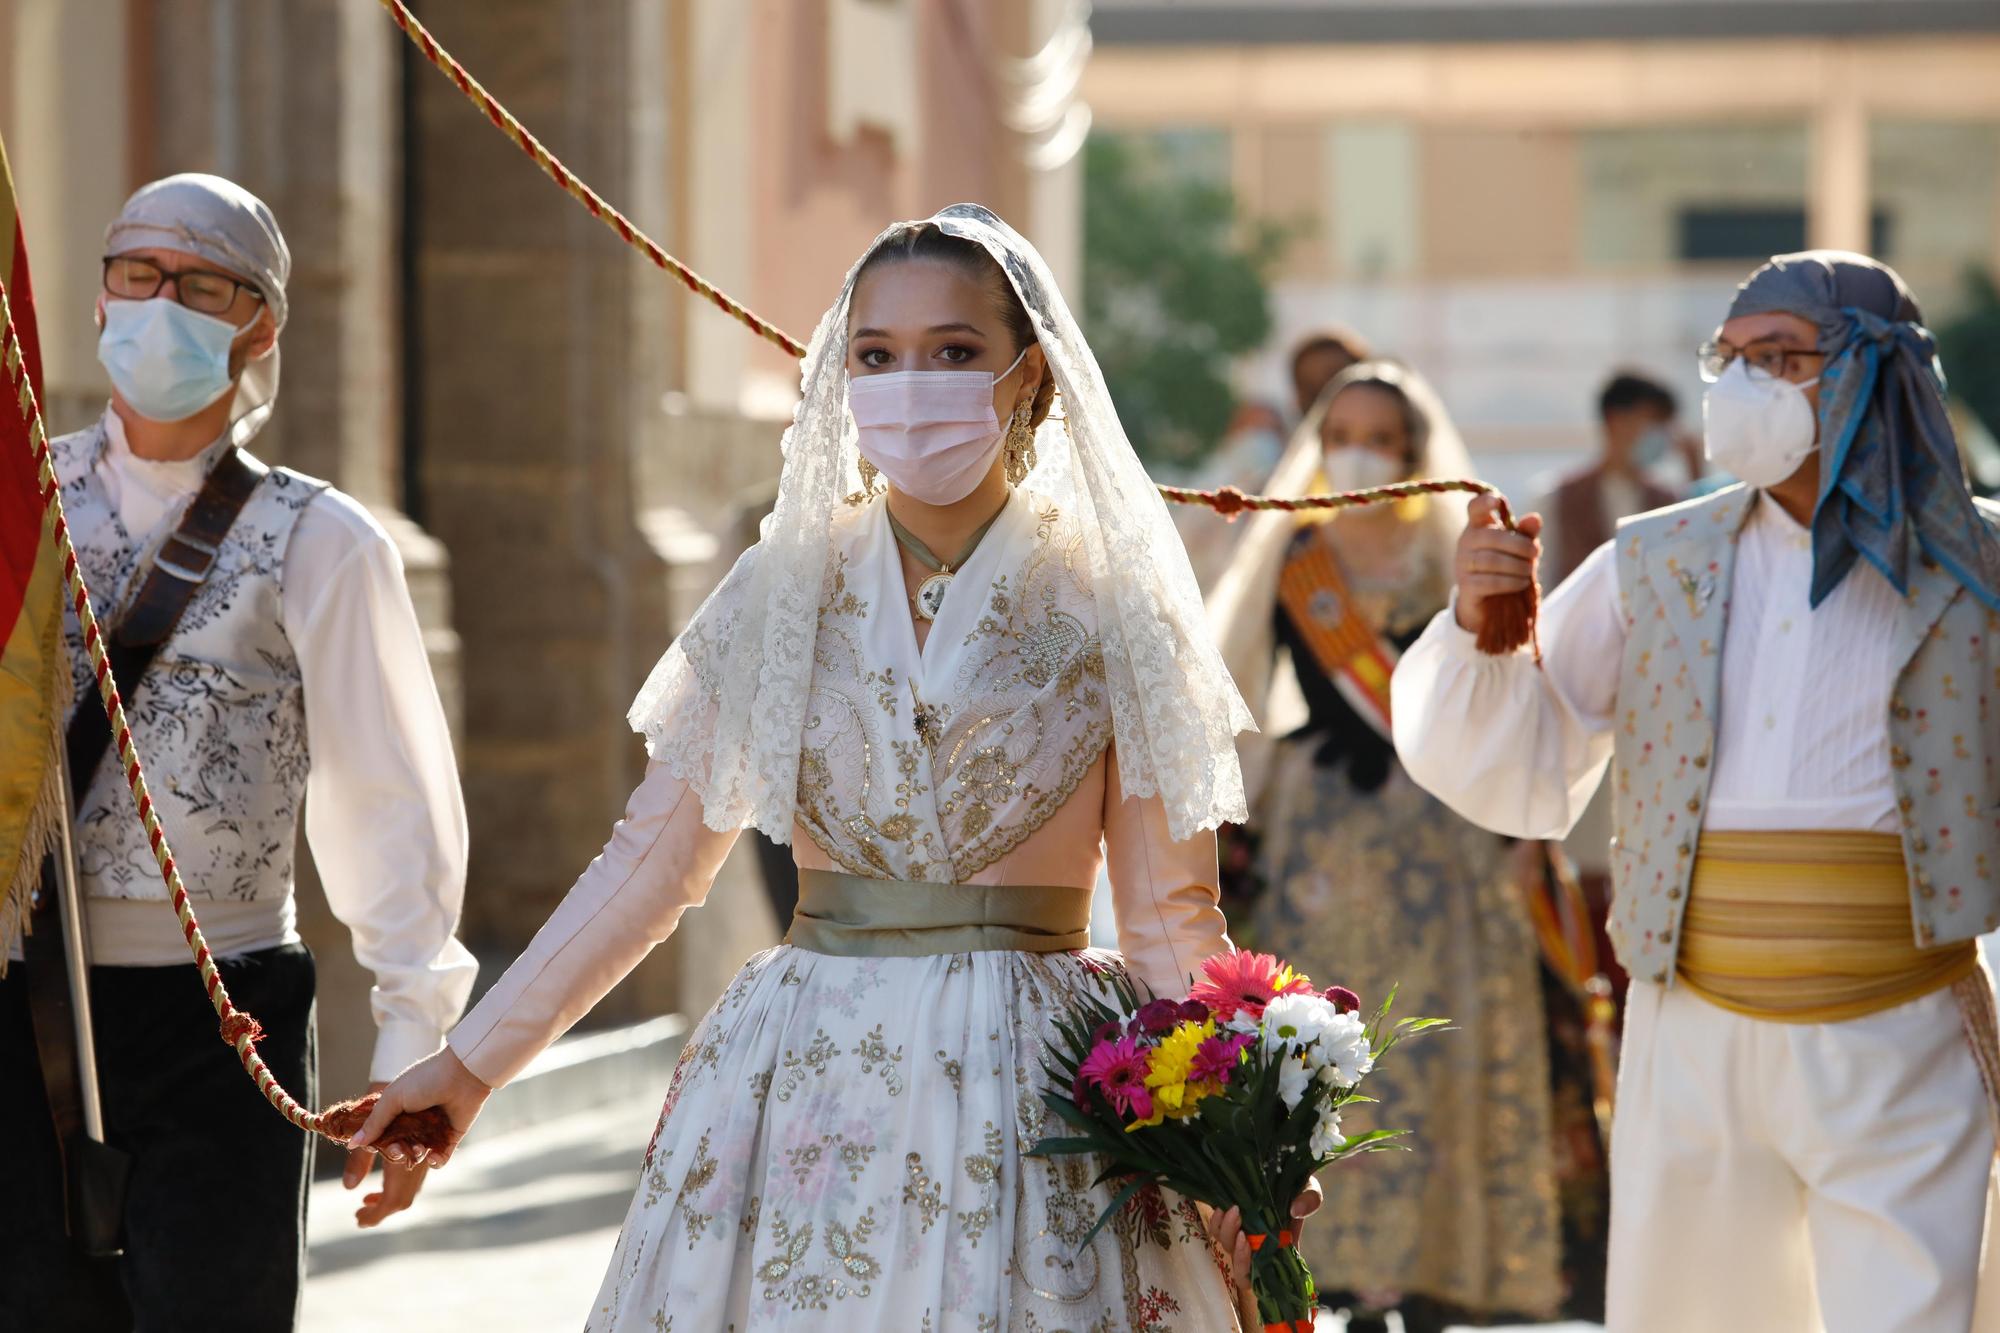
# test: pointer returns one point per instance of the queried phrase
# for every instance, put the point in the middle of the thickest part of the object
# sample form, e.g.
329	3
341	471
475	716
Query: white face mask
932	433
1758	430
1354	467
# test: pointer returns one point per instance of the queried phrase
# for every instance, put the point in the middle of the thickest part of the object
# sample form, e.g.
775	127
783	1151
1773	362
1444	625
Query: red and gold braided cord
504	121
239	1030
1229	502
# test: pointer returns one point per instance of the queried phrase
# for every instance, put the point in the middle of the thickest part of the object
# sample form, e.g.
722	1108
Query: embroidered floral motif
699	1177
983	1170
874	1051
986	784
850	1271
814	1061
921	1192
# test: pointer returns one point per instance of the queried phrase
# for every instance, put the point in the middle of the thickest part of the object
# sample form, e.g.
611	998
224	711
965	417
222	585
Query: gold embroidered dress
842	1143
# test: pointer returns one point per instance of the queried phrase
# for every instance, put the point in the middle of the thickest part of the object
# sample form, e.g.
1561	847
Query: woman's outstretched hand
439	1080
1225	1229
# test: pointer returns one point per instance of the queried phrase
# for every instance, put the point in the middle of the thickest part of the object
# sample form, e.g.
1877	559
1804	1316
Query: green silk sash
852	916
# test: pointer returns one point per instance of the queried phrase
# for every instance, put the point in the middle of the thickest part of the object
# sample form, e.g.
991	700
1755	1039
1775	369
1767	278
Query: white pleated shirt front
1802	737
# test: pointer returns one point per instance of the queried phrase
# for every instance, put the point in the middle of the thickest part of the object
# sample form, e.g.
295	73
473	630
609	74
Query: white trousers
1797	1178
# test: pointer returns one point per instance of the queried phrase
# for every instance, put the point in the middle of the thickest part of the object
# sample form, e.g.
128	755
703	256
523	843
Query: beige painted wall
1498	203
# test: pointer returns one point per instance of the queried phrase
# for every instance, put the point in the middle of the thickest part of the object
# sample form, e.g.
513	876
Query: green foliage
1969	347
1173	288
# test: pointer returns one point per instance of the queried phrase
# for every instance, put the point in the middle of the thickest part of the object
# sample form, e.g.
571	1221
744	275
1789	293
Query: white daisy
1293	1079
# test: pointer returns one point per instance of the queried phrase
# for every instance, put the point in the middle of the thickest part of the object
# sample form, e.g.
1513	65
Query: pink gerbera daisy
1215	1060
1245	981
1118	1070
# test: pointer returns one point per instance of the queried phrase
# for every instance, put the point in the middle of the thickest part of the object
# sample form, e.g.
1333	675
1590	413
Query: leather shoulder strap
179	567
182	563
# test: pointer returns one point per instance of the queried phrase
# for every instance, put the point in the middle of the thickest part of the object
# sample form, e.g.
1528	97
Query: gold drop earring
869	476
1021	442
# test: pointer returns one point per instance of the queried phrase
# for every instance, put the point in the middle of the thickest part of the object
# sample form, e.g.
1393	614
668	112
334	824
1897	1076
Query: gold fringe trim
43	835
1982	1032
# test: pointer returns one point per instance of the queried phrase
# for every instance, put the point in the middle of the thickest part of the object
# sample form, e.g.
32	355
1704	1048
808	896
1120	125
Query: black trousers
216	1216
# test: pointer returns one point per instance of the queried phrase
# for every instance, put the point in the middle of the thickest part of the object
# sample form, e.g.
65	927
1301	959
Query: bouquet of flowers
1230	1097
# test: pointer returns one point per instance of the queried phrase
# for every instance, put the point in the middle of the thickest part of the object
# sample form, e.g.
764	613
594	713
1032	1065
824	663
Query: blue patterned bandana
1892	485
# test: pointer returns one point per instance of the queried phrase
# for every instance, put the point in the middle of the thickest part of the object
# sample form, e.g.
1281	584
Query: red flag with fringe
34	678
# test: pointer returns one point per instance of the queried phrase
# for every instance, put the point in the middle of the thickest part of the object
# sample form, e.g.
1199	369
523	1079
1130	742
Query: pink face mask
932	433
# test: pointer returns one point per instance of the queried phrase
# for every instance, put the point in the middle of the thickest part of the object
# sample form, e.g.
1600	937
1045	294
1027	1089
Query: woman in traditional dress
1366	878
966	662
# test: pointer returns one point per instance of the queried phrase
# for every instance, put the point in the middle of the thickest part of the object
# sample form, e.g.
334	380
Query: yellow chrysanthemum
1167	1073
1174	1056
1192	1095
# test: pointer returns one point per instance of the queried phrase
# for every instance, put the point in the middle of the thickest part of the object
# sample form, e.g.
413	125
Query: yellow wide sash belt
1808	927
851	916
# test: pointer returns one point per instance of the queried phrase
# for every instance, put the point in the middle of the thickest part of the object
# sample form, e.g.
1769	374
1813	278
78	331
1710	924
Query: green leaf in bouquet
1075	1037
1069	1111
1062	1146
1374	1140
1374	1027
1235	1168
1122	1198
1060	1074
1229	1115
1406	1028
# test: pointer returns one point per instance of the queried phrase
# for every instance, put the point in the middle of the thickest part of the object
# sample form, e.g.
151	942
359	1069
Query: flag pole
76	949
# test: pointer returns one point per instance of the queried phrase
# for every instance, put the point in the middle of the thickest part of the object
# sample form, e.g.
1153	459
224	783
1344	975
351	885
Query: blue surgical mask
168	362
1651	446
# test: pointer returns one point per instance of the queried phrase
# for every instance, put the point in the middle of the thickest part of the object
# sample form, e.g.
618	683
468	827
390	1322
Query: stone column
537	360
300	104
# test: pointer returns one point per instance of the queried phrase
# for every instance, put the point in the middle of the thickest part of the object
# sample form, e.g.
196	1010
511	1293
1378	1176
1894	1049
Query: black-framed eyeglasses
132	278
1761	361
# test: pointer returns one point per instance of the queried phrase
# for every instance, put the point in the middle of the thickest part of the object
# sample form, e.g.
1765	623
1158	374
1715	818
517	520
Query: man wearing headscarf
1791	679
293	672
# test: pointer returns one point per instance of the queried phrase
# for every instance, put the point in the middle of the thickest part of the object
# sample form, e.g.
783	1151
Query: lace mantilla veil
726	706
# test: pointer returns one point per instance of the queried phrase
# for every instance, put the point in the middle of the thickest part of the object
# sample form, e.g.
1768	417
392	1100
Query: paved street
511	1238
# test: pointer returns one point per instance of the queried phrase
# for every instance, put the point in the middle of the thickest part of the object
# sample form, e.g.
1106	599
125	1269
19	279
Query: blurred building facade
553	430
1519	195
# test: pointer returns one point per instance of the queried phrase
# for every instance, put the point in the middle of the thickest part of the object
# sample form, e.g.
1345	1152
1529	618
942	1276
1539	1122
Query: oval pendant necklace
929	599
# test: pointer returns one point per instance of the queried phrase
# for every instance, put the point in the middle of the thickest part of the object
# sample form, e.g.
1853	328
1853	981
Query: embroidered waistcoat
220	720
1674	572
